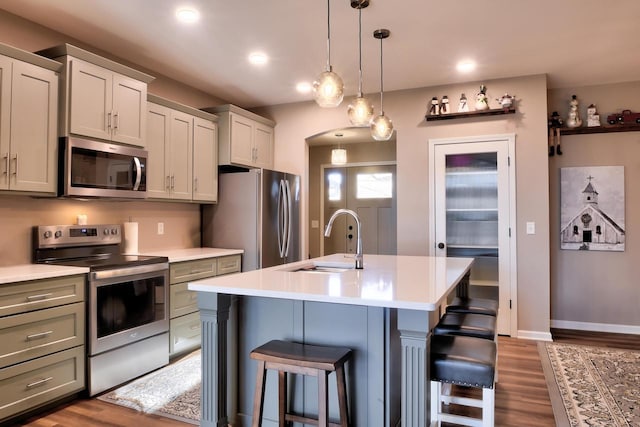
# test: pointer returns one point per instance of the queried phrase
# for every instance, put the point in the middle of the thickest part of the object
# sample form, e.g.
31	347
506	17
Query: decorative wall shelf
600	129
491	112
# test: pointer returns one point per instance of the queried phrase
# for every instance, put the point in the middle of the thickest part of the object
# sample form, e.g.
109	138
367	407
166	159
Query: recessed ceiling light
188	15
466	66
304	87
258	58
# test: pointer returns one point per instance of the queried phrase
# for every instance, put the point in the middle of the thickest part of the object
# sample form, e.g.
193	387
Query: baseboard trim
596	327
535	335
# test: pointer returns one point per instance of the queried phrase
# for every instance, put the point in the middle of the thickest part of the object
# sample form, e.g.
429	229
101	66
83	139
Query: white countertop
22	273
409	282
178	255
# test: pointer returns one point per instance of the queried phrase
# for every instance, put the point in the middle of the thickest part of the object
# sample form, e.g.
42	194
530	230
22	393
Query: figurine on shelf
593	118
435	107
444	105
506	101
482	101
463	107
555	123
574	120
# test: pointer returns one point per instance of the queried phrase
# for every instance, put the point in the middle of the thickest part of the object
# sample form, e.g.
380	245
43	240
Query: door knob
440	245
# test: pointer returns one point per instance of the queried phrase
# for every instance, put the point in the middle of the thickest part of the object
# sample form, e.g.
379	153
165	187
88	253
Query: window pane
374	186
335	186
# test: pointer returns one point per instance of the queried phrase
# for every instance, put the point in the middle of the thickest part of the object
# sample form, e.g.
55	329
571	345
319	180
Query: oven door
127	305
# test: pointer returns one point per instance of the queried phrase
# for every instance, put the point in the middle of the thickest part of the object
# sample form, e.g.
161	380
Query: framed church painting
592	208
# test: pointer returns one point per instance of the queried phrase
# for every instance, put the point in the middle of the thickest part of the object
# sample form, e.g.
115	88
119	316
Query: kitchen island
384	312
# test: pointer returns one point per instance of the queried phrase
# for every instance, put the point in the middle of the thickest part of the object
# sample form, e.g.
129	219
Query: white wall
295	122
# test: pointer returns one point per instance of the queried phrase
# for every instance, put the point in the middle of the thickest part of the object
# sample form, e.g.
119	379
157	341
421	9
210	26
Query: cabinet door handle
109	120
15	166
195	184
173	182
38	297
38	383
116	120
39	335
6	164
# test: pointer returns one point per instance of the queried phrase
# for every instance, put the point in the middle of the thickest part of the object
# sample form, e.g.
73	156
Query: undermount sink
324	267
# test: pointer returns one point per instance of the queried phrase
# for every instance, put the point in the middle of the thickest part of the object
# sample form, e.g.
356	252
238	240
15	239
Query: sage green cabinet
184	323
182	147
28	117
42	330
101	98
245	139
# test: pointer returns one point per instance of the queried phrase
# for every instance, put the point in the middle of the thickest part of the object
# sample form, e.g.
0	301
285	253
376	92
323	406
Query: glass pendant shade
338	156
381	128
328	89
360	112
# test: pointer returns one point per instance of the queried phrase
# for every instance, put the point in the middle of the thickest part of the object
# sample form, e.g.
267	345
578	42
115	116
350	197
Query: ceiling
575	42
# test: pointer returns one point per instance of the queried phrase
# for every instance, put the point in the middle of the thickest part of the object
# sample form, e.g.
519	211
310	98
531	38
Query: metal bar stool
462	361
295	358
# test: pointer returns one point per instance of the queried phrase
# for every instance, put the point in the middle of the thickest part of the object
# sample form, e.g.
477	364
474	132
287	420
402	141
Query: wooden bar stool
464	361
289	357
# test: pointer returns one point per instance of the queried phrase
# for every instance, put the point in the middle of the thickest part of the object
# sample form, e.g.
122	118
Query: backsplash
18	214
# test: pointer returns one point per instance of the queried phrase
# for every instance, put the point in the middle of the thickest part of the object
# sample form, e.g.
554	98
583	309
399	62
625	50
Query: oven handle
127	271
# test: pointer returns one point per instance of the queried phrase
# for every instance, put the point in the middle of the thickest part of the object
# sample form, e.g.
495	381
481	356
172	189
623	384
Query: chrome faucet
327	233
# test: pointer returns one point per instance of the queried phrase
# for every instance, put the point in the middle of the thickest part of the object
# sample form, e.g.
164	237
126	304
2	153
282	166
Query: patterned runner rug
172	391
592	386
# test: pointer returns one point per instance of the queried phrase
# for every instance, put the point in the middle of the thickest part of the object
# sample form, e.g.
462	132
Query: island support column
214	313
414	333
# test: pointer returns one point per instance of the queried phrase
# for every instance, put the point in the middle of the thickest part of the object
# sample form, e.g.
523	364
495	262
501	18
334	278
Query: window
575	229
598	229
335	186
374	186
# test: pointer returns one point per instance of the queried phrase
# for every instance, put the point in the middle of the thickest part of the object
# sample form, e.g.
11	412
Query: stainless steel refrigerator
258	210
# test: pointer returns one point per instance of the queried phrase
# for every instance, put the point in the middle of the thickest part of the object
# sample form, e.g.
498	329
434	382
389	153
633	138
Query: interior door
370	192
471	216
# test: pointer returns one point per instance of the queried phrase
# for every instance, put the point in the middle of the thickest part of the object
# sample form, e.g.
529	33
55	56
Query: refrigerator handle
281	214
288	216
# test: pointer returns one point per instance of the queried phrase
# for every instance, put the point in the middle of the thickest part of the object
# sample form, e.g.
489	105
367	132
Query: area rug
592	386
172	391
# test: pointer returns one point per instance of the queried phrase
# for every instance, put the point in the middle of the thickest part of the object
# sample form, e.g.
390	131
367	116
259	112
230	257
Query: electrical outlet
161	228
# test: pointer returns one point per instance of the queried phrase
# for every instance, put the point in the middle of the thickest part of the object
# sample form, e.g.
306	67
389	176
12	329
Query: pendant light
360	111
328	88
339	156
381	126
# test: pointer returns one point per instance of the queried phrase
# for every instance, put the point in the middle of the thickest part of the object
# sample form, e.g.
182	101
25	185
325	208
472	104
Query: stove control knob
47	234
106	231
58	234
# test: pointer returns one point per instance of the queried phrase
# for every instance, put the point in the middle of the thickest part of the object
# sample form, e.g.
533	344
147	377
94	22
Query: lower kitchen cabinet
33	383
42	331
184	324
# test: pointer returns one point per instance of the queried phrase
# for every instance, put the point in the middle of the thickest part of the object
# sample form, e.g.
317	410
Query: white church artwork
592	208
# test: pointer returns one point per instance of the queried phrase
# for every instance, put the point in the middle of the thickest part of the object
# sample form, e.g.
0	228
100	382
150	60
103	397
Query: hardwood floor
522	398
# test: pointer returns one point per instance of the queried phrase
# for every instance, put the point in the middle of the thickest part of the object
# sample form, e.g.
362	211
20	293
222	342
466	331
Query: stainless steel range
127	300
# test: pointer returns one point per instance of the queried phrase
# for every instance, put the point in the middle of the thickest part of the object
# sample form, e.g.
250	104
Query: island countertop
405	282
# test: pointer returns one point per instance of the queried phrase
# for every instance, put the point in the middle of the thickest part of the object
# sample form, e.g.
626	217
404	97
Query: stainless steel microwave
89	168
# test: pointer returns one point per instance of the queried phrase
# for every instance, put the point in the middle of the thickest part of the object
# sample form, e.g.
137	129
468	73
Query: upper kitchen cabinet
245	139
28	118
101	98
182	146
